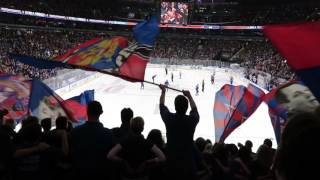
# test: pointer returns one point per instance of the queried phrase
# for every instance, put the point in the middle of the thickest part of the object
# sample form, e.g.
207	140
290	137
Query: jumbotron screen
174	13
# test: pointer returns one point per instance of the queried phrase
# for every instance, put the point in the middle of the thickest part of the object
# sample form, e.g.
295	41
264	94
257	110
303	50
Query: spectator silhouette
262	163
89	144
6	152
155	137
121	132
34	159
46	124
135	152
180	130
158	172
298	152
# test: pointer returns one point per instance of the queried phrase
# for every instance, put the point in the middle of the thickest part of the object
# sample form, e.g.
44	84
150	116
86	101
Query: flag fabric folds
45	103
22	97
226	100
233	106
286	101
278	115
114	55
14	96
78	105
299	45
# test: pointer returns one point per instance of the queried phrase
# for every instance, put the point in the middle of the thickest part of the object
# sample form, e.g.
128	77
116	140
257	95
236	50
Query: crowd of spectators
36	43
93	9
203	49
91	151
255	14
262	57
225	13
255	56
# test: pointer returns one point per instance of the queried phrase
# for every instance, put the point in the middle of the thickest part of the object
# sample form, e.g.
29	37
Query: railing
174	61
68	78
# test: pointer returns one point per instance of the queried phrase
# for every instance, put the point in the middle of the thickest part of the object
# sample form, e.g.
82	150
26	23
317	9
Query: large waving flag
287	100
299	44
226	101
45	103
78	105
278	115
14	96
22	97
113	55
233	106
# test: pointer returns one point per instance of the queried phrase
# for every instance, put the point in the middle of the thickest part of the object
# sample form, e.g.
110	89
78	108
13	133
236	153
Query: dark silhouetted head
29	121
46	124
248	144
181	104
94	110
299	144
137	125
126	115
155	137
31	133
62	122
200	143
268	143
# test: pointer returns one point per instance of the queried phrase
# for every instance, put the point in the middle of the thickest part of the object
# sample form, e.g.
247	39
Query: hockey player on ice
153	77
171	77
197	89
212	79
202	85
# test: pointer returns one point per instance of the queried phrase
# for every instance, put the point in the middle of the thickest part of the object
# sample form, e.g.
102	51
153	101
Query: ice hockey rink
115	94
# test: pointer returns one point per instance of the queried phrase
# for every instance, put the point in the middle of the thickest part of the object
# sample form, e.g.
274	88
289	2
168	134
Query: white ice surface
115	94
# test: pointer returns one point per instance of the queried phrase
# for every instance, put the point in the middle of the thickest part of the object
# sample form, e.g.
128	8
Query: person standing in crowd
90	143
3	112
298	151
180	130
6	150
123	131
231	80
134	152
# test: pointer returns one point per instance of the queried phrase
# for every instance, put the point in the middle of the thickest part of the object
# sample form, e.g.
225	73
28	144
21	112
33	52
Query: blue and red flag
45	103
78	105
14	96
233	106
299	45
22	97
278	115
113	55
294	93
226	101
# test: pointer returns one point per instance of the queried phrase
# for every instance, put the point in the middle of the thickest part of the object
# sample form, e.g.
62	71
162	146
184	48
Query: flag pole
119	75
174	89
74	66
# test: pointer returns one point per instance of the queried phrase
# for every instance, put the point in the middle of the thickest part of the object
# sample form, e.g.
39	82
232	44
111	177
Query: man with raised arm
180	130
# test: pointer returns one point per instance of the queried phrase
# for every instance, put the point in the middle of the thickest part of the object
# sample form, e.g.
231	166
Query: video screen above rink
174	13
